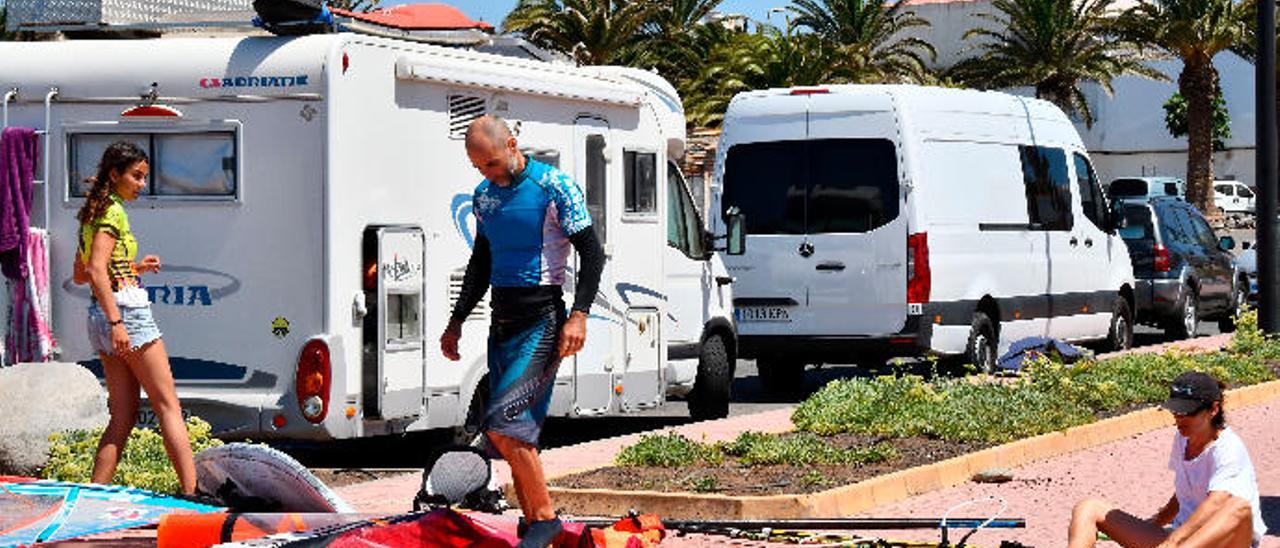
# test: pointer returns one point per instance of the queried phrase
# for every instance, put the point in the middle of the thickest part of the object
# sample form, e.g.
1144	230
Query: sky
493	11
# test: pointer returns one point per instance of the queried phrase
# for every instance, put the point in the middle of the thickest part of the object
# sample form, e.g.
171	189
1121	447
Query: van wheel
1120	335
981	349
1187	322
1239	295
710	396
781	376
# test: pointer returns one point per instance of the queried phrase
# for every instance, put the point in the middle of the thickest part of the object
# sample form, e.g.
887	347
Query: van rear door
855	223
817	178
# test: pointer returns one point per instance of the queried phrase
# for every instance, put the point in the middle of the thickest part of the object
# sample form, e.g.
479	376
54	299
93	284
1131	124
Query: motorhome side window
684	227
595	185
1044	171
640	182
813	186
1091	200
197	164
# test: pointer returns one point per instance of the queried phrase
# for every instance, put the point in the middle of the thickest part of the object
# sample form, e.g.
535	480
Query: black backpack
291	17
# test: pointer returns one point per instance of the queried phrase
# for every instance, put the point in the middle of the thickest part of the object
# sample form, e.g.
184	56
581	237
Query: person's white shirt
1223	466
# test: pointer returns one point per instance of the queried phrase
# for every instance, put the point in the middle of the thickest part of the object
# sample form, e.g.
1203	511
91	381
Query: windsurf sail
34	511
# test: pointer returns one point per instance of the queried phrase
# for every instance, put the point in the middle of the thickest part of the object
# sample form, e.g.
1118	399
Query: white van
899	220
1234	197
311	200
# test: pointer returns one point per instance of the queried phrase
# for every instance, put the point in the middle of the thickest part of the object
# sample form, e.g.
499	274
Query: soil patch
732	479
338	477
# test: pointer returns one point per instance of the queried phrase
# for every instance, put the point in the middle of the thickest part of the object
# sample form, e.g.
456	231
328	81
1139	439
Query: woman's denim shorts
138	323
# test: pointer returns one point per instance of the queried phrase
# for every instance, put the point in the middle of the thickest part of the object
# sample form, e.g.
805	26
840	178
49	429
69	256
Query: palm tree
761	60
870	35
675	40
592	32
1194	31
1053	46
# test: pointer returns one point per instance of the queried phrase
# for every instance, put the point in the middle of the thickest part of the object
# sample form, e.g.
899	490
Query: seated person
1215	500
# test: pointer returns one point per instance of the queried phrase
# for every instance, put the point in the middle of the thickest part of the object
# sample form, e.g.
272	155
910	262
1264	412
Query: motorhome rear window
813	186
198	164
1128	187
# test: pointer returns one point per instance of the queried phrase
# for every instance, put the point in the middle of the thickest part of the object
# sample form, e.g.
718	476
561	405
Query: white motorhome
311	200
901	220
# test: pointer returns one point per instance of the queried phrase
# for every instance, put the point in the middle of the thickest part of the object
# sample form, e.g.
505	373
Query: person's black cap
1191	392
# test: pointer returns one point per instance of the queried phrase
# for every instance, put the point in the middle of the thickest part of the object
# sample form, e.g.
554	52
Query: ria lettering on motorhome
255	81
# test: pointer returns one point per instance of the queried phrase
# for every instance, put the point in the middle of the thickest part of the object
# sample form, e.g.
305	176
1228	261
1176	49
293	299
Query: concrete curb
852	499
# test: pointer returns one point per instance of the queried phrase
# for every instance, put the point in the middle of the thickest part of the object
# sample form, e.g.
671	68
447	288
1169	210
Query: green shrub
667	450
1048	396
144	464
800	449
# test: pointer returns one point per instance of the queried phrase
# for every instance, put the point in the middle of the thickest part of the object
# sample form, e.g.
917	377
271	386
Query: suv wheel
1187	322
981	348
1120	336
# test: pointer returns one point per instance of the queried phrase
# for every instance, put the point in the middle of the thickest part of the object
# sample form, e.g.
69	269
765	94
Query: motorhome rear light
346	63
1161	262
919	278
902	340
278	421
151	111
371	276
312	381
351	412
810	91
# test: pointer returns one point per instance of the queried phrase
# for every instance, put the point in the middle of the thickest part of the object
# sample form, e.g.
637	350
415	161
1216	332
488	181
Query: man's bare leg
1092	515
526	473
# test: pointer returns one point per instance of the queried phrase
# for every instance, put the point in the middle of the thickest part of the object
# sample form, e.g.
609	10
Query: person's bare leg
526	472
1230	527
122	403
151	365
1091	516
498	441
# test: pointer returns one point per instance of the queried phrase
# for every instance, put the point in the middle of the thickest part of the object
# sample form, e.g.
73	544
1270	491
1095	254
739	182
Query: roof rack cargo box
38	14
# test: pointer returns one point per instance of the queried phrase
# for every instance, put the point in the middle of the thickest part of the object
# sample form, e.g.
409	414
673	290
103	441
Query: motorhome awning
562	82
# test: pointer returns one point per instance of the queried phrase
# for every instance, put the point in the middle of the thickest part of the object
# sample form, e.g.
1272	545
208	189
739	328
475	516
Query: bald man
528	214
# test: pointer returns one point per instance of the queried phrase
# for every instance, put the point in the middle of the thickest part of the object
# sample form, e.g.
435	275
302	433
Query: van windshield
1137	223
813	186
1127	187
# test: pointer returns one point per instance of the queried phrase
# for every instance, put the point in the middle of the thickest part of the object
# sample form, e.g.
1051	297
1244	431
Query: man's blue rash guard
523	234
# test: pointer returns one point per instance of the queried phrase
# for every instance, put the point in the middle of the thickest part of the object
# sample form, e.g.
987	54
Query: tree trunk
1196	83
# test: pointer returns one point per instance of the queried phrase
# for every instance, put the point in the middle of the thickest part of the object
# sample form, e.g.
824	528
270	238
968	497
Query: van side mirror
735	222
1227	243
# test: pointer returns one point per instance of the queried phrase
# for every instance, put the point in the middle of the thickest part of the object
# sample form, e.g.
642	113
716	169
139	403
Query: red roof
418	17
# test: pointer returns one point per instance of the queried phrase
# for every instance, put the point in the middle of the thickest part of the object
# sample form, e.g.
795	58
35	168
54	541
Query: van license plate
764	314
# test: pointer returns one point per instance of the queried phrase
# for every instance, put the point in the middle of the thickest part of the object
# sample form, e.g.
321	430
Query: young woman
1215	501
121	328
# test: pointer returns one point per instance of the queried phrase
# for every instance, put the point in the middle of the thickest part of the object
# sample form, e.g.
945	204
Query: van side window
595	185
1091	200
1245	192
640	182
201	164
1225	190
684	227
1044	171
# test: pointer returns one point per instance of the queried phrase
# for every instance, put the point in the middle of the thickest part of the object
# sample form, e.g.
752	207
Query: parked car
1185	274
1233	197
1146	187
902	220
